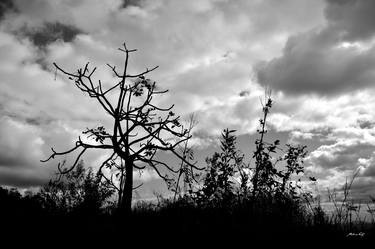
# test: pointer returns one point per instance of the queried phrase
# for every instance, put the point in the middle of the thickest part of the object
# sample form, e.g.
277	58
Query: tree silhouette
141	129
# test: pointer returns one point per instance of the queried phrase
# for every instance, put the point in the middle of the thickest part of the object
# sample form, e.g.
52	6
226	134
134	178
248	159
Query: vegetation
79	191
141	129
231	200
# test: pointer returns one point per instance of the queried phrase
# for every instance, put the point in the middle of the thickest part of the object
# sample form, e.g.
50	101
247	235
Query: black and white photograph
187	123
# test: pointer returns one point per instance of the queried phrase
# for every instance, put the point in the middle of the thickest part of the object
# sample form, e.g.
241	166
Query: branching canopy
140	128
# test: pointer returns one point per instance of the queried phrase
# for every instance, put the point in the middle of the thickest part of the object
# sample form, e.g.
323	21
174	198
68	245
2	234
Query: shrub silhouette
78	191
268	179
218	183
228	177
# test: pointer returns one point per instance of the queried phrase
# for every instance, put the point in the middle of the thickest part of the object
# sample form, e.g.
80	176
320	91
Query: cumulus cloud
205	51
335	58
18	148
21	148
342	155
338	131
34	114
322	115
350	150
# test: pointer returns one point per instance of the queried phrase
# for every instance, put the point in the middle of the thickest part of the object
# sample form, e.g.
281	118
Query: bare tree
140	128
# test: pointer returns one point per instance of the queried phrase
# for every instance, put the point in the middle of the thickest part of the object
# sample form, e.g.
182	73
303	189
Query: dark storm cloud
42	36
51	32
5	7
367	167
22	178
33	121
354	17
370	171
244	93
319	62
362	187
7	160
366	124
15	180
19	144
22	146
127	3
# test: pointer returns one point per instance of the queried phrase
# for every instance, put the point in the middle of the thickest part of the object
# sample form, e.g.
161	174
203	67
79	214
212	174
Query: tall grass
347	217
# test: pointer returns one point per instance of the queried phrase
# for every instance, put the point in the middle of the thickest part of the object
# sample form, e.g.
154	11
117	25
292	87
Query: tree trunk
127	196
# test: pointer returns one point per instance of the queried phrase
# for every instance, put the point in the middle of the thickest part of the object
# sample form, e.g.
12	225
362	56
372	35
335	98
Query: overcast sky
215	56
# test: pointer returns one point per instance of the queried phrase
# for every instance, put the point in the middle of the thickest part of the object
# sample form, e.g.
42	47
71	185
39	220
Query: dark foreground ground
176	225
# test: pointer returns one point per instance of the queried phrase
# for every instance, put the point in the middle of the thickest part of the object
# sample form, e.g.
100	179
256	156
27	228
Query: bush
79	191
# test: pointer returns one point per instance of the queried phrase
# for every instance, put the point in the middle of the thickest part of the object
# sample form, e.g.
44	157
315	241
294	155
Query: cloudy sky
215	56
